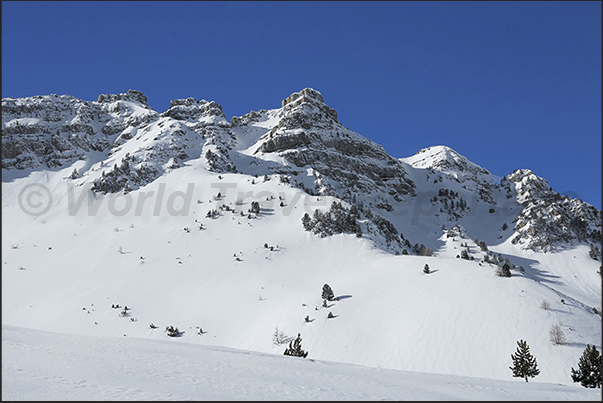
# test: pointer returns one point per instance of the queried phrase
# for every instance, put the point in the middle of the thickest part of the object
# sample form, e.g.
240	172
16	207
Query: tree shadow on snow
581	345
340	297
531	271
265	211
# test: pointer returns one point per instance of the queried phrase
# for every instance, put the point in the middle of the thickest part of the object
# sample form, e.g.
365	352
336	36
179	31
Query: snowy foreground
39	365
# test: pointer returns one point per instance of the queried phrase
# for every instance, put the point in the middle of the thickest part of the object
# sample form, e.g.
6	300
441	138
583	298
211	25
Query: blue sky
507	84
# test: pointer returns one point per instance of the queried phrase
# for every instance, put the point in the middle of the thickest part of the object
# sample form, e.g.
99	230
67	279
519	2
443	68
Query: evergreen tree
255	207
426	269
589	368
295	348
327	292
506	270
306	222
524	364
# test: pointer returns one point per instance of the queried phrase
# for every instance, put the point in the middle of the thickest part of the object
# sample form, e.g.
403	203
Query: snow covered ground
38	365
62	273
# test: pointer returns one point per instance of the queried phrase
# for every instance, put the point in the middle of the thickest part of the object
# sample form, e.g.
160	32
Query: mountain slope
221	243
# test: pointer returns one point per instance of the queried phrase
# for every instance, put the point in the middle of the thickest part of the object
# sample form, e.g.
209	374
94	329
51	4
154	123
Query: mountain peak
130	95
190	108
305	95
443	158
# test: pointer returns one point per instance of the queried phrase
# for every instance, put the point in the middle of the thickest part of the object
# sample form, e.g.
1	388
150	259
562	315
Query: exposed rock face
308	135
55	130
549	219
310	96
207	120
284	142
130	95
188	129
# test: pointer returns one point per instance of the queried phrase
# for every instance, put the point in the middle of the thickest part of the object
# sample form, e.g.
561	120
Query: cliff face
547	218
306	133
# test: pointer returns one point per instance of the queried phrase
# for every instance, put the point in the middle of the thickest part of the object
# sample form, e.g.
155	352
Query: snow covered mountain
229	229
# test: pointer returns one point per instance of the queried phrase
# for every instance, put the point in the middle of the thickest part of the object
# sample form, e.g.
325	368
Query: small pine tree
504	271
426	269
307	222
172	331
589	368
327	292
524	364
295	348
255	207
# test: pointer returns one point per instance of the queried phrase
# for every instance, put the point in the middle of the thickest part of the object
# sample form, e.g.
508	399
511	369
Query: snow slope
34	368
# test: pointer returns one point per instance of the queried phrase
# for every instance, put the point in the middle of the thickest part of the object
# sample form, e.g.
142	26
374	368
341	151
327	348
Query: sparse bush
278	337
556	335
545	305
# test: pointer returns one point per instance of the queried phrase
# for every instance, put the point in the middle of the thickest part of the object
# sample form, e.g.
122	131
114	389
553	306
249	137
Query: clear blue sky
507	84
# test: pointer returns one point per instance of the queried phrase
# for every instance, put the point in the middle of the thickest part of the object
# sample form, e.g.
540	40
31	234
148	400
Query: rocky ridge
318	154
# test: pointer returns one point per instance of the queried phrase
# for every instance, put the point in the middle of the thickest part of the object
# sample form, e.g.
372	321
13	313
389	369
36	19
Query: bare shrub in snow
556	335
